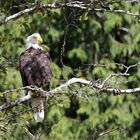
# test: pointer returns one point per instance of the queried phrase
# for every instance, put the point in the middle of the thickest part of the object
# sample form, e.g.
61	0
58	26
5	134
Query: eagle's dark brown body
35	68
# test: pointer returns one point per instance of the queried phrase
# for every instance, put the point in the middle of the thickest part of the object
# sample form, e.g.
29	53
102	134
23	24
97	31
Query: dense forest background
83	43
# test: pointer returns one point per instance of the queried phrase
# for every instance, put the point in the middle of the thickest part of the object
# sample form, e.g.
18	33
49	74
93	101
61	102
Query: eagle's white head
34	41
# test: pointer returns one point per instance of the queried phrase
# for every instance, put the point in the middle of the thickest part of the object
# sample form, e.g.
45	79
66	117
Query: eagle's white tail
37	105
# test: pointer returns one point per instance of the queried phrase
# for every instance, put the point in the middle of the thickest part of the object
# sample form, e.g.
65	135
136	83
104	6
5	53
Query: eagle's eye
34	37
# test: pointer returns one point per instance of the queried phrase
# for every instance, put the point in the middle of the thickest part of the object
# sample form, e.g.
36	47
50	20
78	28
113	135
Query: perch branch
60	89
15	103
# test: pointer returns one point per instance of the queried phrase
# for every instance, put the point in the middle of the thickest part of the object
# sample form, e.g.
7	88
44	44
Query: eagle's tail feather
37	105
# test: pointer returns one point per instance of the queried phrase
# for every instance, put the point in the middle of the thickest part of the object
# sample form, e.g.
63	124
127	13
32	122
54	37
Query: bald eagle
35	70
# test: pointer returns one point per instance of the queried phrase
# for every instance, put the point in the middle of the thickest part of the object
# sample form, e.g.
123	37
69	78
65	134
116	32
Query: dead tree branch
63	89
3	128
113	75
15	103
58	5
102	134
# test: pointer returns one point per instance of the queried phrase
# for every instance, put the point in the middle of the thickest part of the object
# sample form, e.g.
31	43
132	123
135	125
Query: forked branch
63	89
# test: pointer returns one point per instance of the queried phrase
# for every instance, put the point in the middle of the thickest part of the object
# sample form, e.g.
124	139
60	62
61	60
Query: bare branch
17	15
23	88
131	66
29	133
117	11
57	5
127	67
95	86
3	128
107	132
113	75
15	103
61	89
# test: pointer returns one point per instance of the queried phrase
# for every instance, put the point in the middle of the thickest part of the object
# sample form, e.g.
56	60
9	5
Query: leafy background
77	39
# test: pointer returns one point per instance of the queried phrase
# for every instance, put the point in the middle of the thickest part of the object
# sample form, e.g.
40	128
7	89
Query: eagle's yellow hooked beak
39	40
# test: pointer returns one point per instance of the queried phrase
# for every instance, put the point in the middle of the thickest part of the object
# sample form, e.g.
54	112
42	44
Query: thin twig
107	132
113	75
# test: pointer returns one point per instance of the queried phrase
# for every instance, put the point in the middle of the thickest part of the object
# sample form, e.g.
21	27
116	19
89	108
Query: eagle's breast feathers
35	66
